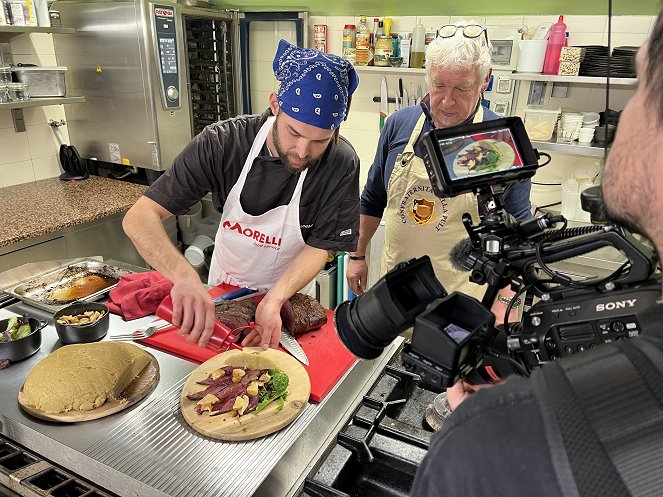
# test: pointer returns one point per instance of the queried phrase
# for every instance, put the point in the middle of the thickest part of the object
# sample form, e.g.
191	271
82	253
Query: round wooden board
137	390
249	426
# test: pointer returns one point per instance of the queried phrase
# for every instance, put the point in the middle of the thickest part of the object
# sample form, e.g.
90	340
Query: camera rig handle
505	250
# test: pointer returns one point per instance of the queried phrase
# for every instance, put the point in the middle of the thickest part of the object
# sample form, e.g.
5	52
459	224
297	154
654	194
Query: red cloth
138	294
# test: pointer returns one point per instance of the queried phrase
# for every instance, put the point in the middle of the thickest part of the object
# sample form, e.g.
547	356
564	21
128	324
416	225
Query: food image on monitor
483	157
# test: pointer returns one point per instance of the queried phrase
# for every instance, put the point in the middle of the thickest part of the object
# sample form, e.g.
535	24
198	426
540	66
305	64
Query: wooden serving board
249	426
137	390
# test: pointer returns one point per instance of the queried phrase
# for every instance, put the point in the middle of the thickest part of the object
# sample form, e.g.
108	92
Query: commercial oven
153	75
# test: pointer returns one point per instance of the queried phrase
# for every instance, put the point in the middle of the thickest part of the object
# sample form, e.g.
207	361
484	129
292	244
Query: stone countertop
35	209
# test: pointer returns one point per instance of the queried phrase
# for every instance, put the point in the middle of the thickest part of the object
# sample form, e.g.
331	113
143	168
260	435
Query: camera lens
367	324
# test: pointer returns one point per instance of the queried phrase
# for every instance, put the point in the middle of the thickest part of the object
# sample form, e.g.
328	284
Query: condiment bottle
383	50
348	53
418	46
554	47
387	25
364	54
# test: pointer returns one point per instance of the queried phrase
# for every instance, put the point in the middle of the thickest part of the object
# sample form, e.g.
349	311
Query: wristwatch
507	300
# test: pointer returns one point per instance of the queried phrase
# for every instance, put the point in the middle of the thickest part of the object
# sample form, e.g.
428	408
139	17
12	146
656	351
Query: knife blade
289	343
384	102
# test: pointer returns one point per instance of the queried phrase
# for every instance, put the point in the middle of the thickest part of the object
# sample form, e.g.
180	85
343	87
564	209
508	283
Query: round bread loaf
83	377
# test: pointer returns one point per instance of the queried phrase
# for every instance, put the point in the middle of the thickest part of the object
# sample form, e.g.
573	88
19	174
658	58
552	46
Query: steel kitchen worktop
45	206
149	450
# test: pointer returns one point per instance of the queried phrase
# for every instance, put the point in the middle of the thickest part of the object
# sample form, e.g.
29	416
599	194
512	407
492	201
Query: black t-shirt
213	161
495	443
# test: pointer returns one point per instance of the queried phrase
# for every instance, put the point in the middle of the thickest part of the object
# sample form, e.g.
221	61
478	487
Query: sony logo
611	306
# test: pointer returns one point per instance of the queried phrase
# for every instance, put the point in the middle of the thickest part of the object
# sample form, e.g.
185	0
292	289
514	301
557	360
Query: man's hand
193	311
357	273
267	332
461	390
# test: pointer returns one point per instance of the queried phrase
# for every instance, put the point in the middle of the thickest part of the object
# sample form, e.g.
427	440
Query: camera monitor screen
465	158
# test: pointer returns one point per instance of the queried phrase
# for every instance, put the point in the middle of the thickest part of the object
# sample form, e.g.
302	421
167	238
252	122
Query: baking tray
56	289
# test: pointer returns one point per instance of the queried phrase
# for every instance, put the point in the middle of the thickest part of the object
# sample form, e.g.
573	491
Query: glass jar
5	74
383	50
18	91
4	96
349	32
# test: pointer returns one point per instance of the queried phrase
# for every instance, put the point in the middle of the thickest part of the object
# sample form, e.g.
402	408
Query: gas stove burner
437	412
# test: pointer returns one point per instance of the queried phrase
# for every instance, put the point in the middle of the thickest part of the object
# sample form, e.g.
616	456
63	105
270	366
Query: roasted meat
302	313
235	314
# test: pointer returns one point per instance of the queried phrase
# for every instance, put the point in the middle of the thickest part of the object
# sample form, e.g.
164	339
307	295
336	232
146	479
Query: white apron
419	223
254	251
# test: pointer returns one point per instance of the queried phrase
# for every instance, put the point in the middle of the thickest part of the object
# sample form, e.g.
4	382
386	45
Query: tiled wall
31	155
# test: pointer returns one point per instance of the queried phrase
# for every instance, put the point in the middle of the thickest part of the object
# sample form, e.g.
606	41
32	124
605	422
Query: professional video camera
454	335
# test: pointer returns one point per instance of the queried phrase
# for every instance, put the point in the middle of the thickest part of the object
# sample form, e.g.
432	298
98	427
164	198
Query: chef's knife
384	102
289	343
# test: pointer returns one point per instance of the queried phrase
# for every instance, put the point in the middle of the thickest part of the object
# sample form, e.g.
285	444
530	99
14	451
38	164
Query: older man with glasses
398	189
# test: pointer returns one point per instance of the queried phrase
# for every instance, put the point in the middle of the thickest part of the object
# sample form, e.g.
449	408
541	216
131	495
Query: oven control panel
165	32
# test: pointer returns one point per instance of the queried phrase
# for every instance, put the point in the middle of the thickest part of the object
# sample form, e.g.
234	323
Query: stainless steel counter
149	450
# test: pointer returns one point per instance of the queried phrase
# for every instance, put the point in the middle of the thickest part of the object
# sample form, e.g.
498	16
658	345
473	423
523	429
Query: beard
290	159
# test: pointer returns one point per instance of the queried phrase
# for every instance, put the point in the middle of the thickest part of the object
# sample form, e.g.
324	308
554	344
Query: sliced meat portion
214	389
235	314
227	372
302	313
227	401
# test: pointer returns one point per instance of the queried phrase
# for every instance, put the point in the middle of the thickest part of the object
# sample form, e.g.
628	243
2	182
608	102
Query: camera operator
500	442
398	188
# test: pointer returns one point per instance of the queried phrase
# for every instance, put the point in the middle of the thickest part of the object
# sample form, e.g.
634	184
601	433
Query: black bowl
17	350
82	333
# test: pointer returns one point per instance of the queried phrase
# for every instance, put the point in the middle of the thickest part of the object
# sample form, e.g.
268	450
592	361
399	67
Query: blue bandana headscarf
315	86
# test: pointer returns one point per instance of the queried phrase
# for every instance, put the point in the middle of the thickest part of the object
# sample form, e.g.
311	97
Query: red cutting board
328	357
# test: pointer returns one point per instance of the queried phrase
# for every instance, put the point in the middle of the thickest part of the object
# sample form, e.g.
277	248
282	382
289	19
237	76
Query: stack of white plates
571	121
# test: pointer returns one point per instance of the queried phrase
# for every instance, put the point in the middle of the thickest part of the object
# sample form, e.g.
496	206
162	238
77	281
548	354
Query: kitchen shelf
9	32
390	70
574	148
573	79
41	102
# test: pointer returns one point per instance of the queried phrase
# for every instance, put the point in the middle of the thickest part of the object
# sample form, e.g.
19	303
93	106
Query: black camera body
454	336
555	329
450	339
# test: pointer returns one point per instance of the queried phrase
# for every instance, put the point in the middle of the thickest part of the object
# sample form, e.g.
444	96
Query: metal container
16	350
43	81
45	291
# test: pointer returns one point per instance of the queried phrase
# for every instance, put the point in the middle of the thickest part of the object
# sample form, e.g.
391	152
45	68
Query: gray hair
459	52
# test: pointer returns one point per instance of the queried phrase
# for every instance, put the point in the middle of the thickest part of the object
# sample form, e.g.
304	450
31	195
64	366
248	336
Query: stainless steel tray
39	290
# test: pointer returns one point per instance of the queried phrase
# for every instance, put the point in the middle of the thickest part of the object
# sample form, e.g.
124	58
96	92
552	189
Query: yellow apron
419	223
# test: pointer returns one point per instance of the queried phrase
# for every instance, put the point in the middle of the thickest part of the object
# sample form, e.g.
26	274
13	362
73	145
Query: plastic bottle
349	33
387	26
418	46
364	53
554	48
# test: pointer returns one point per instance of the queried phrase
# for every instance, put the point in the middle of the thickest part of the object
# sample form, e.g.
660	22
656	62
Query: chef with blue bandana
286	185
